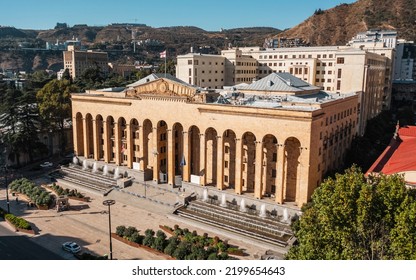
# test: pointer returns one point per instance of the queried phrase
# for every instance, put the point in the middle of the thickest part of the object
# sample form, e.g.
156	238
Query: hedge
18	222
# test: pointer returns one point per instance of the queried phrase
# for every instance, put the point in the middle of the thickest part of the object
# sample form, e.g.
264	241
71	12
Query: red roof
400	155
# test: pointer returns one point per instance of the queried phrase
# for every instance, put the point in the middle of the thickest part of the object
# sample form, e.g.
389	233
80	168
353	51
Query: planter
30	231
83	199
167	230
136	245
42	207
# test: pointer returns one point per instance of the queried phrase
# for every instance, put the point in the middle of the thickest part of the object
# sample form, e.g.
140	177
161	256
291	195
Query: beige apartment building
78	61
216	71
274	138
336	69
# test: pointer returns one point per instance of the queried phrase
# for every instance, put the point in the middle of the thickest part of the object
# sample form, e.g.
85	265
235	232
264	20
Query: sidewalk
87	223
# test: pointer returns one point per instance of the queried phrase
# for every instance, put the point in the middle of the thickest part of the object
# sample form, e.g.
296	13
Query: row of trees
43	104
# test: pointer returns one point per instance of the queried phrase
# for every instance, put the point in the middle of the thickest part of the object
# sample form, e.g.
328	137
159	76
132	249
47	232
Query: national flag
162	54
183	162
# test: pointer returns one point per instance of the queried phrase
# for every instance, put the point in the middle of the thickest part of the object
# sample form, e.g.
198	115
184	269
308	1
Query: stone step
241	216
261	236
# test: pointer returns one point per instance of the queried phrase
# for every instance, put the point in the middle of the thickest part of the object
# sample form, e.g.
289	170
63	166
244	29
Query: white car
46	164
71	247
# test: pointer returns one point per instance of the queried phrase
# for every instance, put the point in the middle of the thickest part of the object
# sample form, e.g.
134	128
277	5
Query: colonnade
247	163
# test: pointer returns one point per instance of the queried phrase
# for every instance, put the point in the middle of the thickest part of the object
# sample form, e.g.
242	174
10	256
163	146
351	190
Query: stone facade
167	129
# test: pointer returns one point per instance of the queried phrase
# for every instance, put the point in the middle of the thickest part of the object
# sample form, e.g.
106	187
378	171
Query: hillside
338	25
116	39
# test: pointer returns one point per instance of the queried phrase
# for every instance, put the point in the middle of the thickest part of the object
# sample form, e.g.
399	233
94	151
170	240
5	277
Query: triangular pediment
162	87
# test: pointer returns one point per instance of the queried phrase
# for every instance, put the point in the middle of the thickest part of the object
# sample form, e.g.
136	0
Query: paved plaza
87	222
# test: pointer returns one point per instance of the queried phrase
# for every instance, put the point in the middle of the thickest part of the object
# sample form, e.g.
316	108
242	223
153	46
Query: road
19	247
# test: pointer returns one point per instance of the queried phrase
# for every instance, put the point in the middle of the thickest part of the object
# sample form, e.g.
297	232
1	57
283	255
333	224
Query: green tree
352	217
19	123
170	67
55	106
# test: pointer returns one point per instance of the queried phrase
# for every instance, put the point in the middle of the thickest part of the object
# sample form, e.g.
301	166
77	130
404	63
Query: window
225	164
274	159
339	73
226	179
340	60
190	62
273	173
338	85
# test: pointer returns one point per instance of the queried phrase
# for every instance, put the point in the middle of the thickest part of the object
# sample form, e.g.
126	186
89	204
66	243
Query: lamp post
7	189
108	203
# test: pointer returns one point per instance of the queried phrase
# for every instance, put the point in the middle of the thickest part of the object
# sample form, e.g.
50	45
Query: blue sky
210	15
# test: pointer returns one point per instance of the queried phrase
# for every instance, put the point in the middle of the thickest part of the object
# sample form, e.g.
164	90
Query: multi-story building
203	70
405	66
388	38
333	69
269	142
216	71
78	61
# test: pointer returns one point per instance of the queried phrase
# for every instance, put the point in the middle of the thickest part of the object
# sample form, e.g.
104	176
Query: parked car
71	247
46	164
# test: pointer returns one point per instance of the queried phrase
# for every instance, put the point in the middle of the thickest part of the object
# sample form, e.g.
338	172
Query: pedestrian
17	200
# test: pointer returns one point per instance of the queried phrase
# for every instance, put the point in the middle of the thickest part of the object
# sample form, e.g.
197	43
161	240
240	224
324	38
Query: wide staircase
268	230
95	182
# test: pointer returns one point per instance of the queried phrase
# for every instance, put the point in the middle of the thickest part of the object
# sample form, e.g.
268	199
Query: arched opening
178	153
211	156
292	151
249	157
89	147
122	141
229	138
111	141
269	166
134	150
148	156
99	126
79	135
161	149
194	149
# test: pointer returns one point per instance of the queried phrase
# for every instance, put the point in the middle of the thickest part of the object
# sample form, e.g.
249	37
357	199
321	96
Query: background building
78	61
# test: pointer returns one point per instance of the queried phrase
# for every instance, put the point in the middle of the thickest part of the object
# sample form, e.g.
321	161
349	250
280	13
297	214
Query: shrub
149	238
183	249
130	231
120	230
18	222
136	237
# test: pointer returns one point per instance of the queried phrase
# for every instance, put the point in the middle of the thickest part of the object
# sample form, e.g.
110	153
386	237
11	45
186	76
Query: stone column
238	167
280	176
75	136
186	154
202	160
171	157
130	149
106	142
117	142
258	170
155	153
220	163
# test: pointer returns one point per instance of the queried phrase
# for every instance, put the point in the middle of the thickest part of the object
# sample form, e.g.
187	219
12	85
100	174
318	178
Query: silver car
71	247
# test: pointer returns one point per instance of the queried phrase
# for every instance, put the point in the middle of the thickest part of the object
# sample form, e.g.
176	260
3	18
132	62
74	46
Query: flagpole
166	53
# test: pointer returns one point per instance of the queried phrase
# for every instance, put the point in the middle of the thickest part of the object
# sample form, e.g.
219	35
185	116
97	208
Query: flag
183	162
163	54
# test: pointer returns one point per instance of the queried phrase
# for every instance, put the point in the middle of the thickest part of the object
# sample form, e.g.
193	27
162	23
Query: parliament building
274	138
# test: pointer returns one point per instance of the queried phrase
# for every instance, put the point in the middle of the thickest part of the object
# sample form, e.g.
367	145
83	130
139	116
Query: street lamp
7	189
108	203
